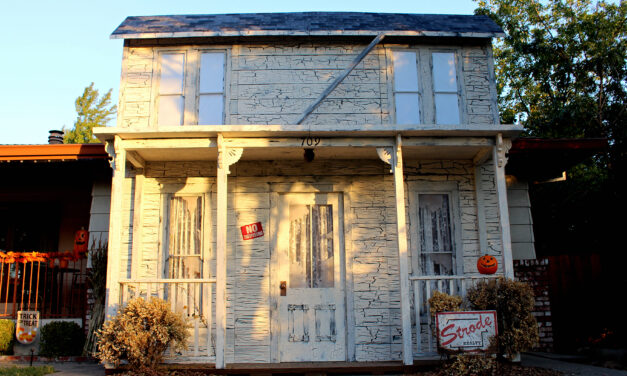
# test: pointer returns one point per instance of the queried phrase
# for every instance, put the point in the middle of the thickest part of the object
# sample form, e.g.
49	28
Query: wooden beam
136	248
482	156
401	229
221	238
447	141
305	142
177	143
481	223
114	251
500	160
135	159
340	78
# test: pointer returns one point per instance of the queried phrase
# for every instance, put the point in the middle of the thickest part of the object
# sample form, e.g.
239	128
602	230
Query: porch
218	148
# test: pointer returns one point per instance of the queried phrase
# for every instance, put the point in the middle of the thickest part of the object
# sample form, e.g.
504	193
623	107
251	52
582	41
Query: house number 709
310	141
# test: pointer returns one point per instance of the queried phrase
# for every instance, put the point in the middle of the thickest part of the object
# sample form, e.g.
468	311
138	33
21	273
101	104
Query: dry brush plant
514	304
140	333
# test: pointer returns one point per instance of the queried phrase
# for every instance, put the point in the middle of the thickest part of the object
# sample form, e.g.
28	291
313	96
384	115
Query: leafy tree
561	72
92	111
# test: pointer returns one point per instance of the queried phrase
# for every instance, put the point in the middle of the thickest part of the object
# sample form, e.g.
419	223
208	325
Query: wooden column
500	160
112	300
226	157
394	157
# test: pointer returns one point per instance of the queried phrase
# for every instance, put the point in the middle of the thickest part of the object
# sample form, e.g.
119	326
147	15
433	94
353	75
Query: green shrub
7	337
514	303
26	371
140	333
61	338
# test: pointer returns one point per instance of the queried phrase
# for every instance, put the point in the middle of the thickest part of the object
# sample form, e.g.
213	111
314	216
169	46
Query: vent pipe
56	137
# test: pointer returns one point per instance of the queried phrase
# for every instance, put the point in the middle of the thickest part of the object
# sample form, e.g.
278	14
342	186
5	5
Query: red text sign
466	331
252	231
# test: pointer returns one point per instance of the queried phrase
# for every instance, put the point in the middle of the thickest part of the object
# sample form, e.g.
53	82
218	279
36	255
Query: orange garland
24	257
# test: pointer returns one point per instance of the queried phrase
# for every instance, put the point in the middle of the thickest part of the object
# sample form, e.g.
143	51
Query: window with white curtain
185	237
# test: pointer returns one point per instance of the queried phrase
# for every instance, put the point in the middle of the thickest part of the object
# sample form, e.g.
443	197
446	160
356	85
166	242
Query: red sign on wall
252	231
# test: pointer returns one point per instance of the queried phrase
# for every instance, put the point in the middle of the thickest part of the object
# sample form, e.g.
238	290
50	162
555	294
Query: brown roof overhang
52	152
539	158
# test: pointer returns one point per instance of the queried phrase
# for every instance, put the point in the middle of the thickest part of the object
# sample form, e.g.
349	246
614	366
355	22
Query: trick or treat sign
466	331
27	326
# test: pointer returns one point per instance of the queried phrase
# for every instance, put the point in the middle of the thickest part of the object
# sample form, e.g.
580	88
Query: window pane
322	247
436	246
170	110
444	77
405	71
211	73
185	234
407	108
171	80
299	246
446	109
210	109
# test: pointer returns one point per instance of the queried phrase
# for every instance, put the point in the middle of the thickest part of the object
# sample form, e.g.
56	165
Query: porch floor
308	368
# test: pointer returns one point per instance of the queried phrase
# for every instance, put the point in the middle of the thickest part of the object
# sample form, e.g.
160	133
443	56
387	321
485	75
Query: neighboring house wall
274	84
521	223
99	214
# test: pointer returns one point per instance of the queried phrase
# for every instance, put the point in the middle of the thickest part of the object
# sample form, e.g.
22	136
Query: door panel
311	311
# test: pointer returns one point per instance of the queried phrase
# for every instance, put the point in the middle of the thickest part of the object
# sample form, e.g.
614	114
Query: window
445	88
311	246
185	238
406	93
435	228
191	88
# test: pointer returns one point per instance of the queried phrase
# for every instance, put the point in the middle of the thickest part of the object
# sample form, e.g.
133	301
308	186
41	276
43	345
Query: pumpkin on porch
80	241
487	264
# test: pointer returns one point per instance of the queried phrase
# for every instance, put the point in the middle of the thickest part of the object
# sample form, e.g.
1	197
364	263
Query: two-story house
298	184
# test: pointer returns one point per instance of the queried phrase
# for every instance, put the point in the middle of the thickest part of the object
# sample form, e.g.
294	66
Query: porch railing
423	287
194	298
57	291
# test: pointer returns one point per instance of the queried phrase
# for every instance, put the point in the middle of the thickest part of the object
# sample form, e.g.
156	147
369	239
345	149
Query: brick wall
536	273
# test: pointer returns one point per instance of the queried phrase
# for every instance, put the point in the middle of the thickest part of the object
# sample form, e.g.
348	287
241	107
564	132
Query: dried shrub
442	302
475	365
7	337
514	303
140	333
61	338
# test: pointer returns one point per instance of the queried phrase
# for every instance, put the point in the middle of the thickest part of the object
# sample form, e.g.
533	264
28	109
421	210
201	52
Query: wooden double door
310	278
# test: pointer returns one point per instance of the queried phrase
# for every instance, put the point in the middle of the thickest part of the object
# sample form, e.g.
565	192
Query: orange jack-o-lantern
487	264
80	240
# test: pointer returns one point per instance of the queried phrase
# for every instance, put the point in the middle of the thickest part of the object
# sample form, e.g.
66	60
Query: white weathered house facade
275	258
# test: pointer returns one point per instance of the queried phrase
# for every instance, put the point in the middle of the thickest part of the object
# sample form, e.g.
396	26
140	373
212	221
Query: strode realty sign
466	331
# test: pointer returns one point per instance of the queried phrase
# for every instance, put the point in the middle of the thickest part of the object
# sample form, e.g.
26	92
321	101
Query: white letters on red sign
252	231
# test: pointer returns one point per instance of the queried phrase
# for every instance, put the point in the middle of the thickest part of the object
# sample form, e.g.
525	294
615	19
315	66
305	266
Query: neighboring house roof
307	23
538	158
52	152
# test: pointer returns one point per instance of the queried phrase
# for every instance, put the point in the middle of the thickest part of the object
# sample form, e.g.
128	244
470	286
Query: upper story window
191	88
445	89
406	89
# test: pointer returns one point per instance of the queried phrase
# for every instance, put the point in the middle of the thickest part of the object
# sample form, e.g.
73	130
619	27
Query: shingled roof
307	23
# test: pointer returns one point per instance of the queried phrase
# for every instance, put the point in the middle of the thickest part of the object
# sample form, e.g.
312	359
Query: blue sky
54	49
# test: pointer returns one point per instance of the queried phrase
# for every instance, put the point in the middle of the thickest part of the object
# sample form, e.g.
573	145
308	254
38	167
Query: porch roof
52	152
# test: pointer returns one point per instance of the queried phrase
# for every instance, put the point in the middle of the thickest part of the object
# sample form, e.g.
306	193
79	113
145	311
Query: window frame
191	84
420	84
416	188
169	192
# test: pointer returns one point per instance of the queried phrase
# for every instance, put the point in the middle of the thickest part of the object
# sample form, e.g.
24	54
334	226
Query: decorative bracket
386	154
502	148
229	156
110	149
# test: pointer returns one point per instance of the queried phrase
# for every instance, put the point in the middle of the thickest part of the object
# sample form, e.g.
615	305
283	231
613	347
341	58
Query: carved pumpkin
487	264
80	241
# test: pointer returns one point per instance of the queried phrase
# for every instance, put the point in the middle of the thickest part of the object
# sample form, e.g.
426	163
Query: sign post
27	326
466	331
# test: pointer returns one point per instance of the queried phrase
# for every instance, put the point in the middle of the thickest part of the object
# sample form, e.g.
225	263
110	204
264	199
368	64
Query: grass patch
26	371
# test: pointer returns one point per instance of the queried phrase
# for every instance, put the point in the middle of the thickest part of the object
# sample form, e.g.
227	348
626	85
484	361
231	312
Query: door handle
283	287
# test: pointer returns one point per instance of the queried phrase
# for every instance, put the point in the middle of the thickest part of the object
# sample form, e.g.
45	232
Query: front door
310	279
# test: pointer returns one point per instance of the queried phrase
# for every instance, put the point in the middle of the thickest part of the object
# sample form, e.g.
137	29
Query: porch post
401	230
115	227
226	157
500	160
